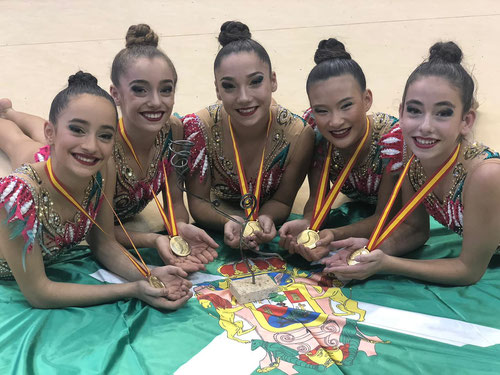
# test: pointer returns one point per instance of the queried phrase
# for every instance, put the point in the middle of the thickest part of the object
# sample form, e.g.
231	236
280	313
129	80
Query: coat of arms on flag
302	326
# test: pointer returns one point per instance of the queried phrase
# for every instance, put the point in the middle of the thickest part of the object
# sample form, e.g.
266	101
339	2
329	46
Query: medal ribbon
322	206
64	192
241	171
142	268
170	226
376	238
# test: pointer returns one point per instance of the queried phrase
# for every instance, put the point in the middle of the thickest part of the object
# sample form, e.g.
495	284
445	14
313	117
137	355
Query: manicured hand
322	247
174	278
158	297
268	230
345	248
189	263
369	264
290	230
232	232
202	245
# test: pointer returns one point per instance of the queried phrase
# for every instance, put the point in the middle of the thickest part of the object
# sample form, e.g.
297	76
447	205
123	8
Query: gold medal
155	282
353	256
323	203
252	211
179	246
380	233
308	238
251	227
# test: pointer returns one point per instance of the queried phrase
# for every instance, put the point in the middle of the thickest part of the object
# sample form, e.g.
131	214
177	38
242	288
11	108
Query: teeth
84	159
246	110
425	141
152	116
339	132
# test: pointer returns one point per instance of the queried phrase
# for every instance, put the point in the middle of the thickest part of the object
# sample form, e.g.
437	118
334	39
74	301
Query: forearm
111	255
308	209
450	271
404	240
181	214
276	210
362	229
141	239
57	295
206	216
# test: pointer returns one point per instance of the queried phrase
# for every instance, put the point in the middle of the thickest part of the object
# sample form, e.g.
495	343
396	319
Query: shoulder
285	117
480	189
484	179
18	193
13	187
387	130
175	122
108	172
176	127
42	154
297	131
193	128
204	118
388	135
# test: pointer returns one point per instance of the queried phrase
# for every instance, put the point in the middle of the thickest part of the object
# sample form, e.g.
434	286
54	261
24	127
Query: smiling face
432	118
82	139
245	85
146	94
339	108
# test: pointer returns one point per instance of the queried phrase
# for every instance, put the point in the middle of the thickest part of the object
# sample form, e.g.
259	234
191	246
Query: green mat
387	324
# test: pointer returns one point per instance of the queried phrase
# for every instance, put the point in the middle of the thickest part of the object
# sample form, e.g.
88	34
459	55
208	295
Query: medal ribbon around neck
376	238
322	205
142	268
241	172
170	225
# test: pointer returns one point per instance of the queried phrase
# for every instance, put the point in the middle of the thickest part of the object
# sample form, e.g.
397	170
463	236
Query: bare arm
480	239
480	236
291	229
202	211
110	253
364	227
410	235
413	232
279	206
41	292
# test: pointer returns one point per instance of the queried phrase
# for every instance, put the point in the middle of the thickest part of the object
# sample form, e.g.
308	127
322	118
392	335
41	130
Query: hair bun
446	51
82	79
231	31
329	49
141	35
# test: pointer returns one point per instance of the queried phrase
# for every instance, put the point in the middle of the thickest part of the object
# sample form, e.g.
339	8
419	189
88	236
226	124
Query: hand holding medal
177	244
252	226
378	236
142	268
310	237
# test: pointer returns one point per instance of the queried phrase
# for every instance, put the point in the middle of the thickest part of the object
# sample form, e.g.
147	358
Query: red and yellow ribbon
64	192
377	237
321	205
241	171
142	268
170	224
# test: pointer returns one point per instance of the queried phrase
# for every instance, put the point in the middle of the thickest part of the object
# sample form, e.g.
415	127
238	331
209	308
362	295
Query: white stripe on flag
222	356
445	330
448	331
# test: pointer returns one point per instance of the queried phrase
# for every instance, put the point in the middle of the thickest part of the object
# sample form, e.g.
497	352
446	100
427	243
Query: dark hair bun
231	31
445	51
82	79
141	35
329	49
